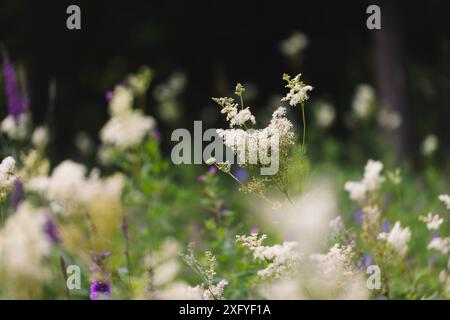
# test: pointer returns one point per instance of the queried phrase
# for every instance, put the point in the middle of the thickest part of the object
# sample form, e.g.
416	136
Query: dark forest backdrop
218	43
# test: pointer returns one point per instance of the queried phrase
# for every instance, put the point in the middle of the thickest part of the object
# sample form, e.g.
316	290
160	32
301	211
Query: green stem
304	125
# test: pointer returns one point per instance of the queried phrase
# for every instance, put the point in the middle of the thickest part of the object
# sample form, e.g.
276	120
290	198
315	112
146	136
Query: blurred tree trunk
391	78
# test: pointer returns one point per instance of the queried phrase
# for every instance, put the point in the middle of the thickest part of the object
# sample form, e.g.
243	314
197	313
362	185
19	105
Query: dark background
219	43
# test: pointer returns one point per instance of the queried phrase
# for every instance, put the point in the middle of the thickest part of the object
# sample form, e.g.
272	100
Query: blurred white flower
433	221
16	129
40	137
371	181
126	130
336	225
363	102
23	246
398	237
440	244
389	119
445	200
429	145
121	101
325	114
84	143
293	45
7	177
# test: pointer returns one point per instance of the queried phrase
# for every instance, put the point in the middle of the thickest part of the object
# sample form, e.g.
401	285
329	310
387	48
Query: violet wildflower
386	226
201	178
254	230
367	260
156	134
212	170
17	194
108	95
358	216
241	174
100	290
51	230
15	103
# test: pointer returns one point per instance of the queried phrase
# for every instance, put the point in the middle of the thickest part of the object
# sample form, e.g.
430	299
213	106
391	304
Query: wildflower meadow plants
133	225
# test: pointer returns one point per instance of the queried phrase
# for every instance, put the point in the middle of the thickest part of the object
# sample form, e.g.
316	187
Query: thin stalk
304	125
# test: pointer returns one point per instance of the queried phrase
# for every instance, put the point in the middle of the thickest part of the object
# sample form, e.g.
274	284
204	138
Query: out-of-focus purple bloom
17	195
212	170
380	298
367	260
108	95
156	134
386	226
15	103
51	230
99	290
241	174
254	230
201	178
435	234
358	216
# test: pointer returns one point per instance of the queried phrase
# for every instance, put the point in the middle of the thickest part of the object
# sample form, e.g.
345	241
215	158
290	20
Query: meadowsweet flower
293	45
40	137
127	129
398	237
429	145
16	128
7	177
363	102
23	246
433	221
389	119
371	182
325	114
440	244
121	101
337	225
298	92
445	200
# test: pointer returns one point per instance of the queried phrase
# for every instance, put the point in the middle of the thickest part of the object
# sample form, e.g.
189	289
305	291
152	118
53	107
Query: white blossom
16	129
121	101
445	200
429	145
363	101
40	137
398	237
371	181
7	177
440	244
433	221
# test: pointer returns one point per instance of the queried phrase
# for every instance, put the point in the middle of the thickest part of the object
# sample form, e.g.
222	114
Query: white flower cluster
212	292
16	129
68	184
440	244
371	182
433	221
324	114
126	127
445	200
7	177
23	244
429	145
252	146
364	101
336	260
298	92
282	258
40	137
337	225
398	237
236	116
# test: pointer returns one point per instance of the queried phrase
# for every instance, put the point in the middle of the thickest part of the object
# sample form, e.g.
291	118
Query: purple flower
99	289
51	230
367	260
386	226
15	103
156	134
17	195
201	178
212	170
358	216
241	174
435	234
108	95
254	230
